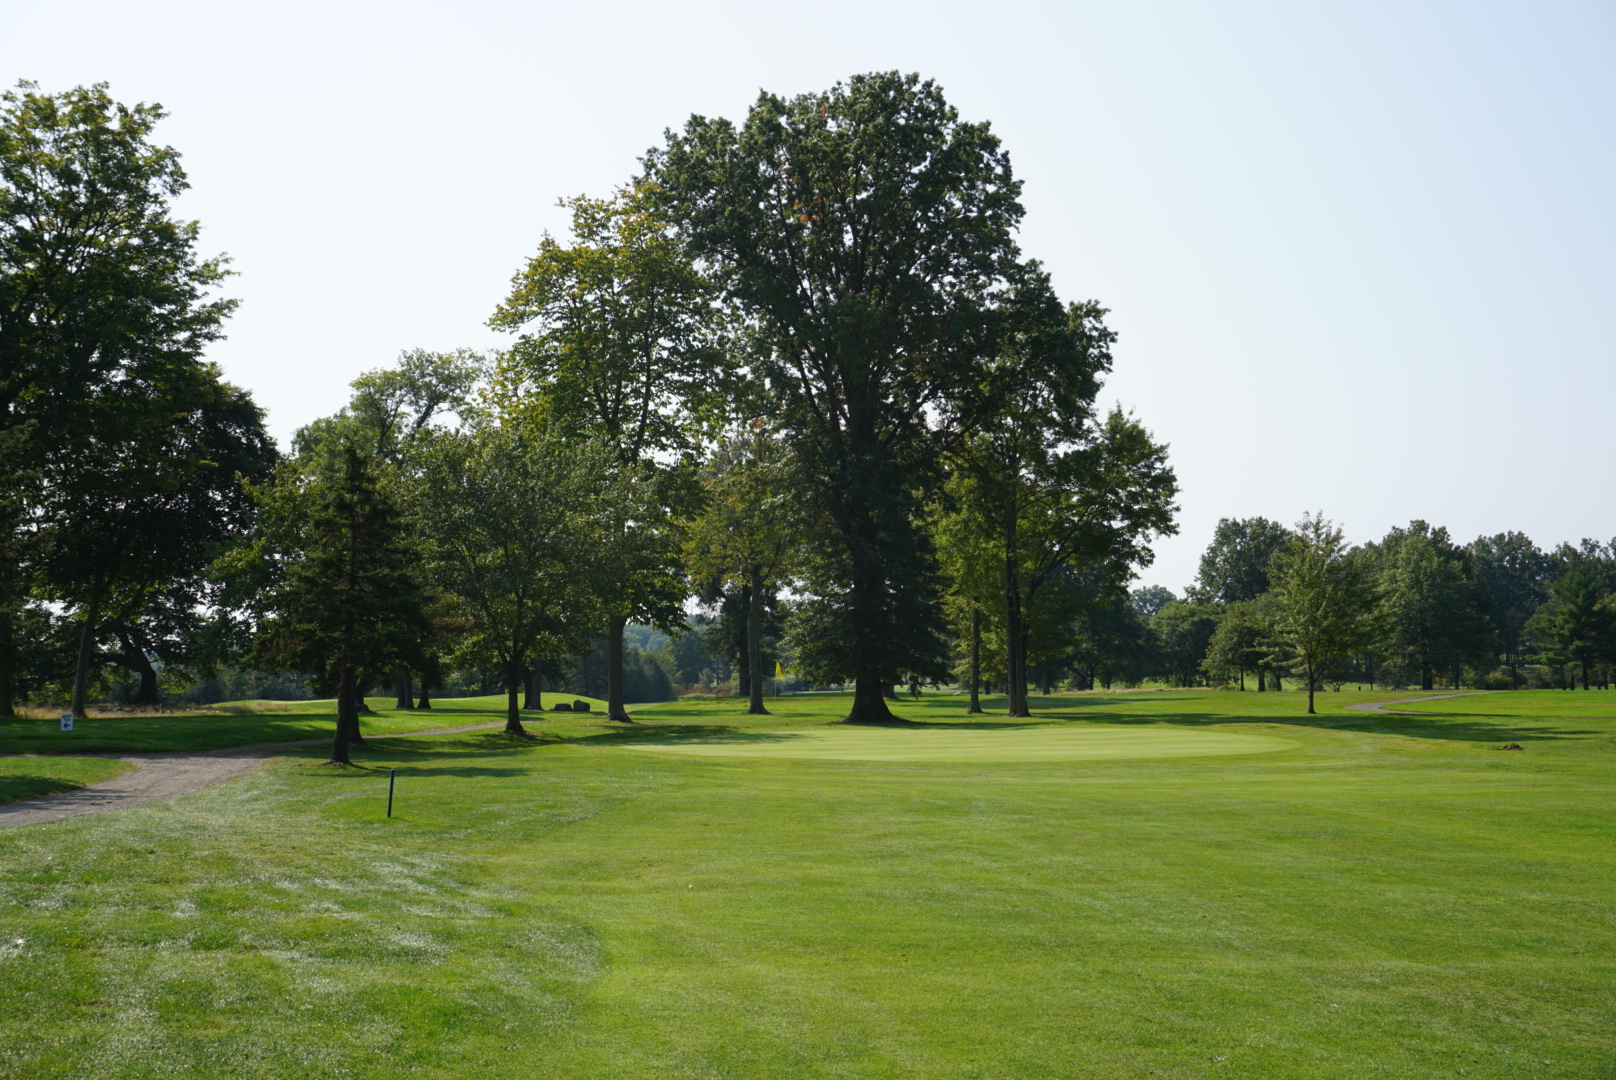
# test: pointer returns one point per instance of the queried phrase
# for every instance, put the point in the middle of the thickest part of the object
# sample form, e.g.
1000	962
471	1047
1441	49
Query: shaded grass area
30	777
1372	902
213	730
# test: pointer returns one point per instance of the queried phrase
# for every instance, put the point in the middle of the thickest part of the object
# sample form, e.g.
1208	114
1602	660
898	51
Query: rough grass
29	777
1388	897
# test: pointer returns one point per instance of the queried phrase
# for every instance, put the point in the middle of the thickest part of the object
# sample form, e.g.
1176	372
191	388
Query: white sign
67	721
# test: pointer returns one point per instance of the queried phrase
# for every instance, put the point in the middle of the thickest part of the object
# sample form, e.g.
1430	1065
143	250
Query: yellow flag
777	669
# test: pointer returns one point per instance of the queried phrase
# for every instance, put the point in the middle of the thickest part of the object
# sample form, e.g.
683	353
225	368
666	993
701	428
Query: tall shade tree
1578	620
1238	643
1323	598
618	343
1435	614
513	524
1055	487
1109	640
143	508
747	533
390	415
1234	567
96	274
973	562
1090	504
1183	632
864	234
1513	576
350	597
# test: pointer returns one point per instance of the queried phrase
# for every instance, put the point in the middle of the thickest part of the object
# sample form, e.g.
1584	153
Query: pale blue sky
1360	254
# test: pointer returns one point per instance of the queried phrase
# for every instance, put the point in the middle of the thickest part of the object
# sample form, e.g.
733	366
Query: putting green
1041	742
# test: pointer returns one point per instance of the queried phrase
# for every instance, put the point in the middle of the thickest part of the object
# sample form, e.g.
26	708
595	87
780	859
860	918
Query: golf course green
1176	884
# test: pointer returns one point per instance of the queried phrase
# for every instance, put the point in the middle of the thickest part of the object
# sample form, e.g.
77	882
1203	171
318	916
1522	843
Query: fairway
1125	887
985	743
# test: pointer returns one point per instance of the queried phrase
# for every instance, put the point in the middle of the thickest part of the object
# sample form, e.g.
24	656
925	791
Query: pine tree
350	598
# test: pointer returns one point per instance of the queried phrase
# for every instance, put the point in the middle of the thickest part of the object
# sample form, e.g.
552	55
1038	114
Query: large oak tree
864	234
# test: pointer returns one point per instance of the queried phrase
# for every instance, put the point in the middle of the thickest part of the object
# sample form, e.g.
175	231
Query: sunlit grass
1544	703
1387	896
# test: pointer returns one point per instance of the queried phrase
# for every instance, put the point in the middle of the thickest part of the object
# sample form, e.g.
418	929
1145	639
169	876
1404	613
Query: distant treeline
1496	613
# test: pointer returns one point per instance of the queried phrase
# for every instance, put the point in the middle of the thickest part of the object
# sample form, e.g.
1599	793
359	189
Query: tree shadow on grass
686	733
1413	727
17	788
380	754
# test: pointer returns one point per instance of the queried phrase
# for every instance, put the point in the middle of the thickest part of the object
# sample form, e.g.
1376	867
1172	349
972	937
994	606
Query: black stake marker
392	774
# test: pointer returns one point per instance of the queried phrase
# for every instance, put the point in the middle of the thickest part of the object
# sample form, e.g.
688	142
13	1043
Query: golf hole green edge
1091	742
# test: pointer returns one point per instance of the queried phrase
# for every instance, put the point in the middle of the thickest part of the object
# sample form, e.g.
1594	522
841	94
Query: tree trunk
361	706
743	662
426	692
513	687
1262	680
1312	681
8	708
1585	674
1242	678
406	696
347	719
135	659
614	671
147	693
356	706
976	660
1427	680
754	647
535	688
869	700
1015	634
81	671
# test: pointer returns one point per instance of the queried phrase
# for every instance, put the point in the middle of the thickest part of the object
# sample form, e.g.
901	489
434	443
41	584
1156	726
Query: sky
1361	256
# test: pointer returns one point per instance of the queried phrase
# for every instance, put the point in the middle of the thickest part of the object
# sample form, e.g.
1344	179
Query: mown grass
1388	898
30	777
1532	703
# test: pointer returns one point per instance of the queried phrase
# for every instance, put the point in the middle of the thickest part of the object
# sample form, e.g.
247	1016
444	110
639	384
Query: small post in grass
392	774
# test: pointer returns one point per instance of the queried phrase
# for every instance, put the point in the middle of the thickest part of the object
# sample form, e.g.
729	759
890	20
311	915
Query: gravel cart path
161	776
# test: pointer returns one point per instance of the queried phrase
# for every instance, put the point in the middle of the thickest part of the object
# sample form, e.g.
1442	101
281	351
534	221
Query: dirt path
1380	706
160	776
